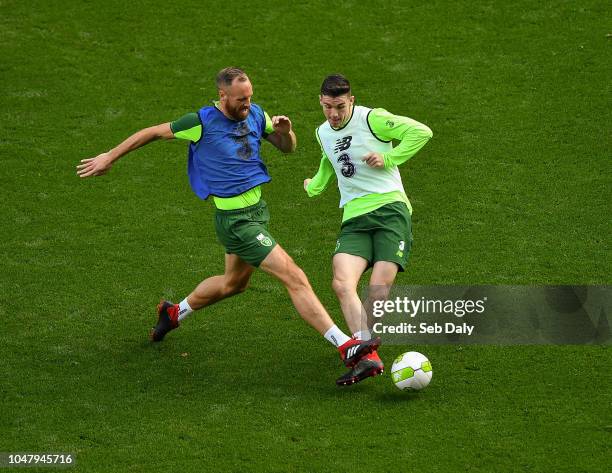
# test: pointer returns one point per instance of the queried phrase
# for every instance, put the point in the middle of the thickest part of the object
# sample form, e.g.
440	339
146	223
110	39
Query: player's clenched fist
281	124
374	160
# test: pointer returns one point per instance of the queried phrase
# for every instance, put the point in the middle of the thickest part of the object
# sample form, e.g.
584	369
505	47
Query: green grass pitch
514	188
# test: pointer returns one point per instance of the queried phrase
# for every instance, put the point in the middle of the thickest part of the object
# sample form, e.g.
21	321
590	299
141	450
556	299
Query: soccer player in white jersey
356	145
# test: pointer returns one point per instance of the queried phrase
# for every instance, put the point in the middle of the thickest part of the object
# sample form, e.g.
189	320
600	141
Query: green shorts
385	234
244	232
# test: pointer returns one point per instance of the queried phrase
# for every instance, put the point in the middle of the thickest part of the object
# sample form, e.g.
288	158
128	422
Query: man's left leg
280	265
392	243
381	281
234	280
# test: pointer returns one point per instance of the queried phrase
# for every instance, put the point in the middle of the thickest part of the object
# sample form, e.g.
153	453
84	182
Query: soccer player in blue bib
357	149
225	163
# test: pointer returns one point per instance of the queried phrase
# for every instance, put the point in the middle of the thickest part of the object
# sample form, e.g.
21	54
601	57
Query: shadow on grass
399	397
184	365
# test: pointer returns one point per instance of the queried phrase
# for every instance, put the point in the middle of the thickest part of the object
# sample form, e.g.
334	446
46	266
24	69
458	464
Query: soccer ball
411	371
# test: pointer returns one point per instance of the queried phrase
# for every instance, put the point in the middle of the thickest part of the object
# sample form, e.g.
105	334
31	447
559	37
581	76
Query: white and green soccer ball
411	371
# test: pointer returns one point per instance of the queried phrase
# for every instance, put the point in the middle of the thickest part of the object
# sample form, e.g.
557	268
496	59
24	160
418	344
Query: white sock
184	309
363	335
336	336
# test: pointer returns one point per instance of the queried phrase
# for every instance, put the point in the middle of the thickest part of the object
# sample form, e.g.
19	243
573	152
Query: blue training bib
225	162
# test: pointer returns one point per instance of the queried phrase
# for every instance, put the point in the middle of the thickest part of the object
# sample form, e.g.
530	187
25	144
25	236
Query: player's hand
374	160
306	182
97	166
281	124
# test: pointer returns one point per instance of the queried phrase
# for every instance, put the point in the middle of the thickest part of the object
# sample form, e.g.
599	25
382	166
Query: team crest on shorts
264	240
400	251
337	245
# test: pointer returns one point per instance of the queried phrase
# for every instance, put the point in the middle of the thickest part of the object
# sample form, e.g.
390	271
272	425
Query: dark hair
335	85
226	76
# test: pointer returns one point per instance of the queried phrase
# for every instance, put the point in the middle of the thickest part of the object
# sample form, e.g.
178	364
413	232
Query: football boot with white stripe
354	350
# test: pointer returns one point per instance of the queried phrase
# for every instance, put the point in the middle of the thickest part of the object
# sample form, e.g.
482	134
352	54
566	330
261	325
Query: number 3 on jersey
348	168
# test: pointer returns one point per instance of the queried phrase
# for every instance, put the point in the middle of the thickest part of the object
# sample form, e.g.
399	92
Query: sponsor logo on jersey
342	144
348	168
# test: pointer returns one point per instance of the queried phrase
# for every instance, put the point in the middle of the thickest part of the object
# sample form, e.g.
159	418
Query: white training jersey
345	148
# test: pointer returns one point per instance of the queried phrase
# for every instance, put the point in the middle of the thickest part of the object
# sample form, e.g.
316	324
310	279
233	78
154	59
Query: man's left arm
279	132
411	134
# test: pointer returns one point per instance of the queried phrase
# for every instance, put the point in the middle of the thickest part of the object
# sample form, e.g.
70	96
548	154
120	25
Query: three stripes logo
352	351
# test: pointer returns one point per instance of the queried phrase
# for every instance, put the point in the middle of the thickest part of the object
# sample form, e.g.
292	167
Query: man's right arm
188	127
102	163
321	179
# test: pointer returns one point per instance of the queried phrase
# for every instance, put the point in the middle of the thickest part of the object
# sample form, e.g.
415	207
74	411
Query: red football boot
354	350
167	319
369	366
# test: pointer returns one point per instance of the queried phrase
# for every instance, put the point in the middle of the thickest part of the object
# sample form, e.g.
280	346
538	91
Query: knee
241	287
342	288
296	279
378	292
235	286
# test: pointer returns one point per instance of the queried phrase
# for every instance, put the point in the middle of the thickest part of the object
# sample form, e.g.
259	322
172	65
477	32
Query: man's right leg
348	269
233	281
347	272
